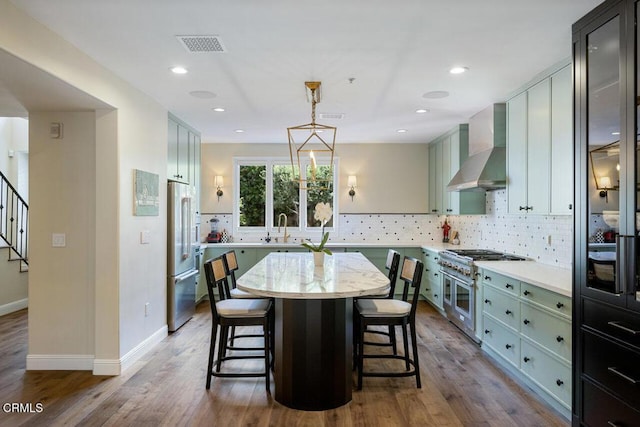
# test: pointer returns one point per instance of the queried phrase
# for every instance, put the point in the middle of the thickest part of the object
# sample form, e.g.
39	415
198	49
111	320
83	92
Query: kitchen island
313	322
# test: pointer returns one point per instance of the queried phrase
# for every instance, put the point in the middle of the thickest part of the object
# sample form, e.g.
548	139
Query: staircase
14	221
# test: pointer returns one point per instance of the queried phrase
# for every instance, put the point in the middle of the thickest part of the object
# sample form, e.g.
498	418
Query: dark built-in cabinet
606	317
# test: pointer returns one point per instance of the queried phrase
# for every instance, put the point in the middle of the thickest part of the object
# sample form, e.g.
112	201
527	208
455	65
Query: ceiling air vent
197	44
331	116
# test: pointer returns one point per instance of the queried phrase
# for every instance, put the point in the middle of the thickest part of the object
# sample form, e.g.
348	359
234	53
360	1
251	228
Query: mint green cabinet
446	154
539	147
527	329
431	288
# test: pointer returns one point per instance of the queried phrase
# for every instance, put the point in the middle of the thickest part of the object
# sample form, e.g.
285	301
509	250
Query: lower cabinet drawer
501	340
547	372
551	332
557	303
612	321
612	366
602	409
502	306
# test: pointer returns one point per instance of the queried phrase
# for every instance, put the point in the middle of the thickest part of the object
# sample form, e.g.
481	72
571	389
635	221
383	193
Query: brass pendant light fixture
311	140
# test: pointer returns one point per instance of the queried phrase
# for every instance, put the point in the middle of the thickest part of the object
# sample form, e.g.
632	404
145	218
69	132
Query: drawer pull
559	338
526	359
525	293
435	295
559	305
487	301
487	278
618	324
614	370
426	269
526	321
559	383
508	312
435	274
508	286
486	331
508	346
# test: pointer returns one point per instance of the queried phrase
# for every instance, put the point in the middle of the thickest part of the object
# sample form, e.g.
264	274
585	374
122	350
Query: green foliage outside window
253	193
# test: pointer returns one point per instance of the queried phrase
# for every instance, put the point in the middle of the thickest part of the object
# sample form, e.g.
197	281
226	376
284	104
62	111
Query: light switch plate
145	237
58	240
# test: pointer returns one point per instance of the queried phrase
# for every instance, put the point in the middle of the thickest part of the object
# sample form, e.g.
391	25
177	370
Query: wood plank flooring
460	387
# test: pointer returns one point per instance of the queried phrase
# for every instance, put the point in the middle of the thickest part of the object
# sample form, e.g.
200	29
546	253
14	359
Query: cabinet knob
529	208
508	346
559	305
508	286
487	278
508	312
526	359
559	382
526	321
570	206
486	331
435	295
522	208
525	293
487	301
242	251
559	338
435	274
426	269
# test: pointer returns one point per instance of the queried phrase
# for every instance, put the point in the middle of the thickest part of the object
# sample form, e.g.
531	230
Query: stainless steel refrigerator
183	243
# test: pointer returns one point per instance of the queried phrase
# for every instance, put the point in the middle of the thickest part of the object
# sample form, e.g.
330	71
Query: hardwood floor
460	387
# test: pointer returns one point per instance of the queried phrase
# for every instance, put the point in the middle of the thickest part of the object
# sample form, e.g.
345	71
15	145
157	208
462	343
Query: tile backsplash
544	238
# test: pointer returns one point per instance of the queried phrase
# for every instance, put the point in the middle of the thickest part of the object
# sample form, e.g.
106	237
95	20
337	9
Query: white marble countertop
548	277
293	275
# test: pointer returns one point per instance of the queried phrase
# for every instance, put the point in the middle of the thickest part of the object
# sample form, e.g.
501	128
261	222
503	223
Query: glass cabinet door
604	127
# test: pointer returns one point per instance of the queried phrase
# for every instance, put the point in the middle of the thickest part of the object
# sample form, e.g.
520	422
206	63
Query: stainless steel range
459	283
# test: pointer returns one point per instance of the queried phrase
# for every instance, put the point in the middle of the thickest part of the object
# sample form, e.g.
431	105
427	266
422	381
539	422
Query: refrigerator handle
618	268
185	228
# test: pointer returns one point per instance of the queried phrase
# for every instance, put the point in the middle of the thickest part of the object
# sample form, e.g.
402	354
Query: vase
318	259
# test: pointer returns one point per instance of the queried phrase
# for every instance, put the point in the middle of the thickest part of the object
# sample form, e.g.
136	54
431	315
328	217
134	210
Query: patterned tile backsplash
544	238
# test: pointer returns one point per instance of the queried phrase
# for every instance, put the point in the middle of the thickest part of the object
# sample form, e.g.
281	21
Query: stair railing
14	220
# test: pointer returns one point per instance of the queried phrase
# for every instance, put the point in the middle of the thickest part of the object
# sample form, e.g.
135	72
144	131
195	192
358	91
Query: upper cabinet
183	156
446	154
539	147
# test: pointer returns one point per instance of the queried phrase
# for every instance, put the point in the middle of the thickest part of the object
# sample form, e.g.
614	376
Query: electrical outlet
146	309
549	240
58	240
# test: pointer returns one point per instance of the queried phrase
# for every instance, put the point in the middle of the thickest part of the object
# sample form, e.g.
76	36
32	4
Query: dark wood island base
313	353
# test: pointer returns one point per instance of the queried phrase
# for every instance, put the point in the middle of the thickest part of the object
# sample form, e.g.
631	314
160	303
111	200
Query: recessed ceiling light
179	70
458	70
239	130
436	94
401	131
615	133
422	110
204	94
218	109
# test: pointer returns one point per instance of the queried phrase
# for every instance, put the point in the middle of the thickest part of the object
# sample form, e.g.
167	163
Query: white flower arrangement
323	213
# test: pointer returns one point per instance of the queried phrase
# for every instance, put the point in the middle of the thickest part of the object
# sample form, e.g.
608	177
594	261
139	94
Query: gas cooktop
485	255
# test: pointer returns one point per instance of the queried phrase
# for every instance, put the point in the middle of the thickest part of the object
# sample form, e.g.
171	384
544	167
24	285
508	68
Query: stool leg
406	344
414	342
212	349
267	338
362	326
392	338
222	346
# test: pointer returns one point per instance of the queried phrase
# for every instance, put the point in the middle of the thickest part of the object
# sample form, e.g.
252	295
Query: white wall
392	178
126	274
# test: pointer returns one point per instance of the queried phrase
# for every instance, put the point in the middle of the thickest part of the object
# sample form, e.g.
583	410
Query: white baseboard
13	306
143	348
75	362
59	362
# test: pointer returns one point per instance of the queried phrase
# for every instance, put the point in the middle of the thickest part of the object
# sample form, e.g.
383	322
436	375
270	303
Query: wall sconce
605	185
219	183
352	183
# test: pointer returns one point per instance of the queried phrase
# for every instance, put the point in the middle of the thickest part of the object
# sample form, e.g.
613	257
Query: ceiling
376	59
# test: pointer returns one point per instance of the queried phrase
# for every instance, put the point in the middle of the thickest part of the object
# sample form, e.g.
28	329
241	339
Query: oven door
460	307
448	287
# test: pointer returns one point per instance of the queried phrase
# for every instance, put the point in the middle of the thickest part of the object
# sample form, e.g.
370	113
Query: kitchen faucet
286	236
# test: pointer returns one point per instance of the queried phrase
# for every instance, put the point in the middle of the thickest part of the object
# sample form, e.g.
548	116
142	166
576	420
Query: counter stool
392	264
228	313
391	312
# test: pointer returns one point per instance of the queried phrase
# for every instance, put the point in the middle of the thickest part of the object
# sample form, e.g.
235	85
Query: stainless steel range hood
485	168
482	171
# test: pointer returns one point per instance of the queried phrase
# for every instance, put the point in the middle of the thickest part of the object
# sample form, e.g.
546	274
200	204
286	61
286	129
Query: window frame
271	225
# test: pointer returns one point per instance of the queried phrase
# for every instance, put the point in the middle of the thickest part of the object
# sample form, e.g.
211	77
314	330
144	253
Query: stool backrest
411	275
216	278
392	264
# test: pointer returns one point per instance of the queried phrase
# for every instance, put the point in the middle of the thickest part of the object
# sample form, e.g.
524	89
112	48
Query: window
265	190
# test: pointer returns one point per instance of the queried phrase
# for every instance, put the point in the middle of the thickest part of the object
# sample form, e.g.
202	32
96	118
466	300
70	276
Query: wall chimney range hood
486	167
